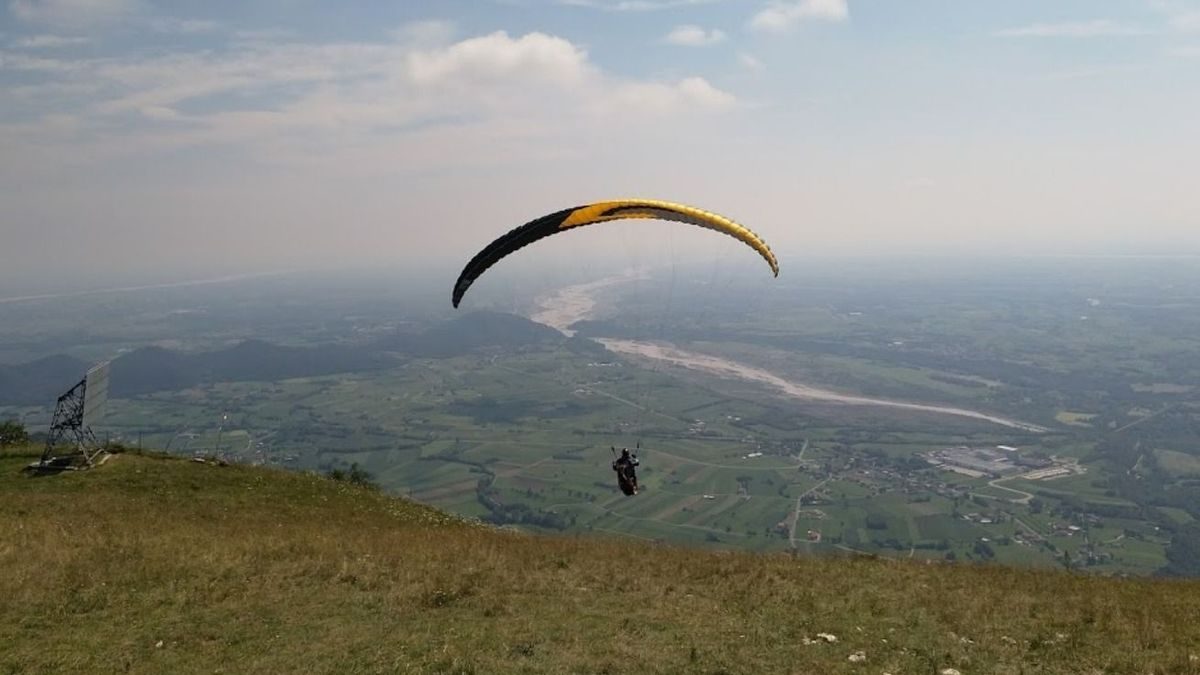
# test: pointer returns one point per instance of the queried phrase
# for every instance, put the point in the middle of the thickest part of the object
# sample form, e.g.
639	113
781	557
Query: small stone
950	671
858	657
158	645
828	637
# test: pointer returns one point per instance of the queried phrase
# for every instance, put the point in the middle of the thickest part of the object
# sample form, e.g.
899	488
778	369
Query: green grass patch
1075	419
1176	514
1180	464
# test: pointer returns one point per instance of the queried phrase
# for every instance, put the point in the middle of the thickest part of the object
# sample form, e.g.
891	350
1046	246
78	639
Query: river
564	307
567	305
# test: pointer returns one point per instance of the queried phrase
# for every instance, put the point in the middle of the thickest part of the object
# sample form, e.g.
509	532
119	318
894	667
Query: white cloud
1181	17
430	32
692	91
91	14
49	41
697	91
72	12
182	26
264	35
1088	73
780	16
160	113
1077	29
694	36
635	5
535	56
638	99
37	64
345	96
1187	22
750	61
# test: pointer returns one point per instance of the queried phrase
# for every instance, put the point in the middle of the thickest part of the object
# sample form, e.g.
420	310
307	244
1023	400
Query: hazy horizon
518	279
141	141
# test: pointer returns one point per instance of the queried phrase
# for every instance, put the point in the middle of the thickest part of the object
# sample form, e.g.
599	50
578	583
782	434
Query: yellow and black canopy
598	213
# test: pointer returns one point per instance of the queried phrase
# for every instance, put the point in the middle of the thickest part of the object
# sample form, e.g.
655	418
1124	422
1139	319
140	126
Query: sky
230	136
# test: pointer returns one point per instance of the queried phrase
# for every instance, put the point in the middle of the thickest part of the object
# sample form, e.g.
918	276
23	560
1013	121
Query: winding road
796	513
1025	497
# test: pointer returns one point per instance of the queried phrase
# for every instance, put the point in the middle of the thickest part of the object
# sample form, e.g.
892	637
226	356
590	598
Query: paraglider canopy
600	212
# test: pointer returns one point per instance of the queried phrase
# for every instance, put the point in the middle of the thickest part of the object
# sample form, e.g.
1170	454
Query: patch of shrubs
355	475
13	433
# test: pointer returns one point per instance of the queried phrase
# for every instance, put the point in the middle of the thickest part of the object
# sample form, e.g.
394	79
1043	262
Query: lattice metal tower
72	419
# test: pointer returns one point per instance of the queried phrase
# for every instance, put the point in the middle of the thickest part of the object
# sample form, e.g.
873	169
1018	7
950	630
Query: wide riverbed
575	303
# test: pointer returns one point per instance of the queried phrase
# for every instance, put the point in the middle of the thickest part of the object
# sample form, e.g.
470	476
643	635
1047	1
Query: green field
524	438
1179	464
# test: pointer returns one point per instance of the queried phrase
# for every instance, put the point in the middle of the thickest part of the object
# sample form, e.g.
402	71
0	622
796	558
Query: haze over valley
822	416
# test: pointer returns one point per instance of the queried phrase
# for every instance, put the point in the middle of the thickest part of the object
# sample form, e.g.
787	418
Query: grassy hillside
149	564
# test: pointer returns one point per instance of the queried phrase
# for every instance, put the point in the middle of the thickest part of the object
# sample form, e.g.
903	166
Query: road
1143	419
1025	497
796	513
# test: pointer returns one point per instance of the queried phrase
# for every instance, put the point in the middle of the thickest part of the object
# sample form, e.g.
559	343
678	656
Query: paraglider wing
598	213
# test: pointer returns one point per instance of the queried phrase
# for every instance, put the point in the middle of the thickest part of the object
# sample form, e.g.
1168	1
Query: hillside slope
151	369
149	564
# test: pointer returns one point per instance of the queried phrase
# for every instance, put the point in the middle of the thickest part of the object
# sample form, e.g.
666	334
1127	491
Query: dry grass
240	570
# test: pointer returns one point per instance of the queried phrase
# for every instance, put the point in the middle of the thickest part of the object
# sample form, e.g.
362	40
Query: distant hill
151	369
473	331
41	381
156	565
155	369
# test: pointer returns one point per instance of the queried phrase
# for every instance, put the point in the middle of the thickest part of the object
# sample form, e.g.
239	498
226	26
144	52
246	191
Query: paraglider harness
624	466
